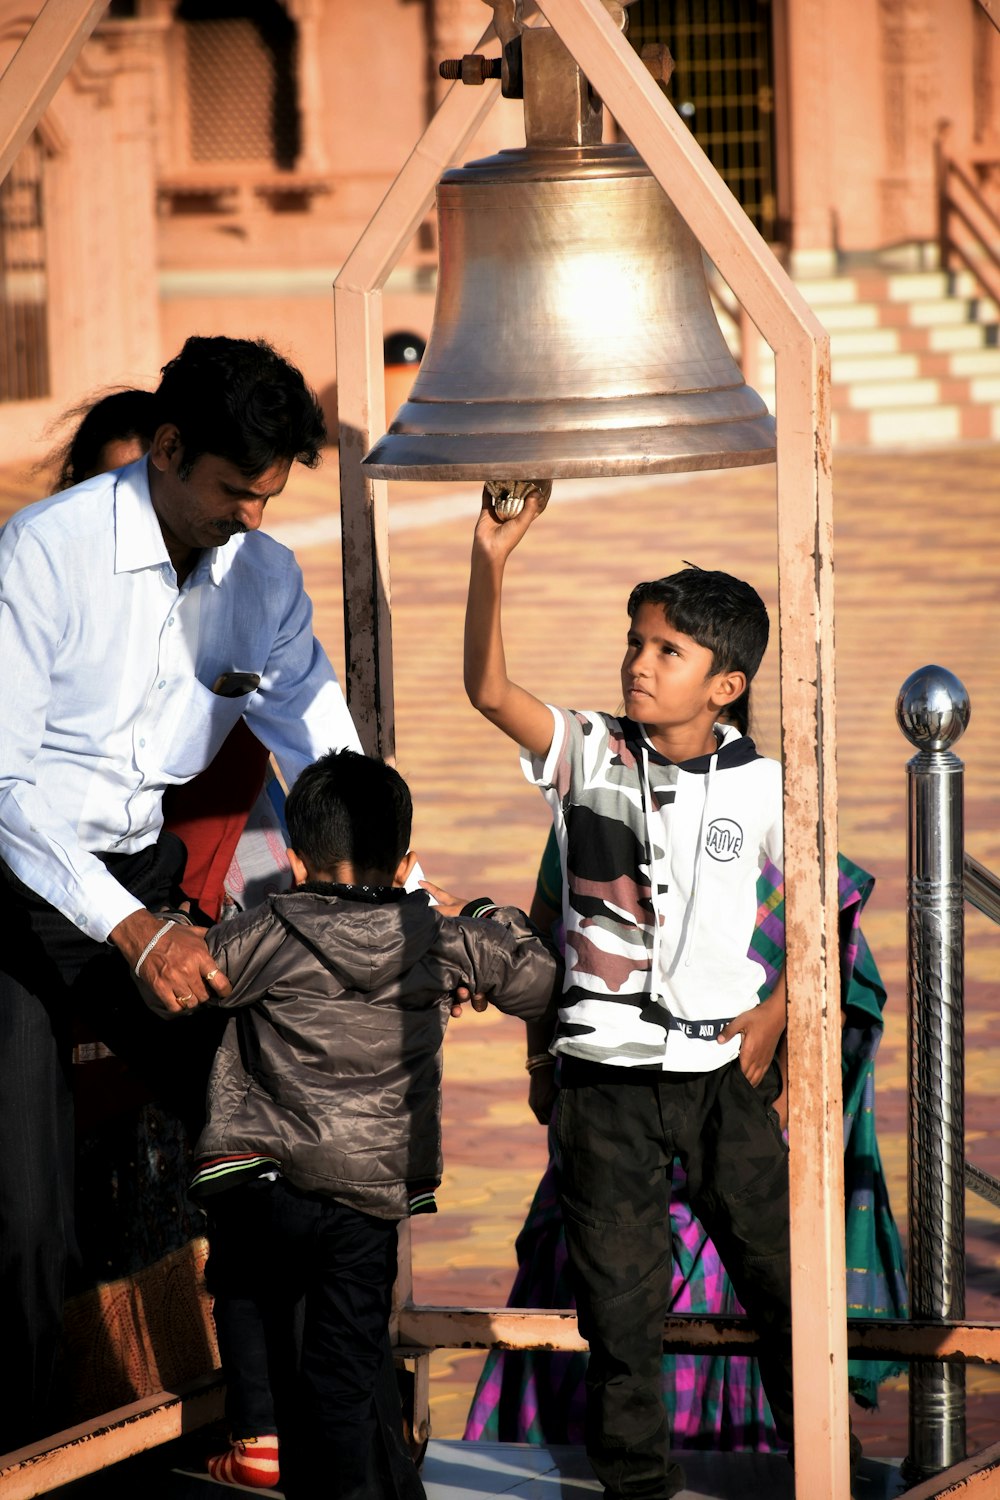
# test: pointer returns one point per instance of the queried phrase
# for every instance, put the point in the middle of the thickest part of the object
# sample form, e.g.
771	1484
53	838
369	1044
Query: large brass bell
573	331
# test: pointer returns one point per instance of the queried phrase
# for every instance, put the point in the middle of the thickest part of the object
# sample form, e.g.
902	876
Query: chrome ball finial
932	708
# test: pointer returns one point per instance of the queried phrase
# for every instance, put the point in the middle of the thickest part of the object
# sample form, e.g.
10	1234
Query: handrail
983	1183
975	252
982	888
957	169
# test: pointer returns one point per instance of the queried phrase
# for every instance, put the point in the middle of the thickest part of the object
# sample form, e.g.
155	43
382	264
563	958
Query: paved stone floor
917	568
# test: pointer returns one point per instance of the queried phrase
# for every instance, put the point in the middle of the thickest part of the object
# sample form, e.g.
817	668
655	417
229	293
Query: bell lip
724	445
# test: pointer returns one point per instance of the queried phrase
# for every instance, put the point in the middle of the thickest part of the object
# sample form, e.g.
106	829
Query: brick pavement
917	563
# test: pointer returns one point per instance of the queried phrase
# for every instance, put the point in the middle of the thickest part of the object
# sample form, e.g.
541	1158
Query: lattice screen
241	83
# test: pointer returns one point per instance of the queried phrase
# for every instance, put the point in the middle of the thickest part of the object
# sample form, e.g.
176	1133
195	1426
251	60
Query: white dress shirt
106	674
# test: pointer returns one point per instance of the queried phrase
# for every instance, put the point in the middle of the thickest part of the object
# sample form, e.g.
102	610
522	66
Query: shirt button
142	744
162	683
171	620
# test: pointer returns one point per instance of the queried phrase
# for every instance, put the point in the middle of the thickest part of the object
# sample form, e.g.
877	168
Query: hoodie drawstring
688	939
647	813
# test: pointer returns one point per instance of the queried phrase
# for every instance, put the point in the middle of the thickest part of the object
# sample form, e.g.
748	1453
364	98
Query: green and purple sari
714	1401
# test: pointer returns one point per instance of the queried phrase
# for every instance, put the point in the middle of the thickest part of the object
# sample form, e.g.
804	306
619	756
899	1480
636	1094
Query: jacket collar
372	895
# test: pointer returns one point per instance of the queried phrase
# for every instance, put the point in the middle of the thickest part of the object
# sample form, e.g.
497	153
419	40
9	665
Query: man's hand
178	973
762	1029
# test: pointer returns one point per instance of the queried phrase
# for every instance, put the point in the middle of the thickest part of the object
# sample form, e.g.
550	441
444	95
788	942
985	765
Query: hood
734	749
365	940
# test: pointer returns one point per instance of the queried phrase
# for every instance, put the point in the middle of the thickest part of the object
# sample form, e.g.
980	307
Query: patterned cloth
712	1401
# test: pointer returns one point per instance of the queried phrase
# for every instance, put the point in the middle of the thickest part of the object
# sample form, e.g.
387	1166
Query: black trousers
303	1292
618	1131
51	976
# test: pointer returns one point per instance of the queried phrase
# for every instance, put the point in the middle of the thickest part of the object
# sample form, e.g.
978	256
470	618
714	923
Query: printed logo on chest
724	840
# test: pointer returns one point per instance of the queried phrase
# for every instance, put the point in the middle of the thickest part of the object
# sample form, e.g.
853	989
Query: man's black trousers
51	977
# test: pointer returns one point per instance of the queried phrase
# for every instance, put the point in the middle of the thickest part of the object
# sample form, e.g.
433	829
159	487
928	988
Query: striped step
917	366
917	426
914	357
943	339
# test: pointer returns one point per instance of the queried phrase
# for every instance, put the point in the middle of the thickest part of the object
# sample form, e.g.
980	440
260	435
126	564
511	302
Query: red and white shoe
250	1461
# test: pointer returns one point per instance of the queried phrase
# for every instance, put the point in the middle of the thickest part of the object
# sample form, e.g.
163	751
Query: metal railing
933	710
982	888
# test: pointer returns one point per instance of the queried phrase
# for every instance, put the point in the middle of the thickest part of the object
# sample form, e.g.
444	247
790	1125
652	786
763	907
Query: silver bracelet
152	944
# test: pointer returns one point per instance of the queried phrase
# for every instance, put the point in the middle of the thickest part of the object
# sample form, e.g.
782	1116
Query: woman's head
112	431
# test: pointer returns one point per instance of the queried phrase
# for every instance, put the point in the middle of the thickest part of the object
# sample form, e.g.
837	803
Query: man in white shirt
141	615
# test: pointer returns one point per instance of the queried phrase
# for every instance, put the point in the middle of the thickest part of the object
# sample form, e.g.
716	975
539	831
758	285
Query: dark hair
721	613
113	418
238	399
347	806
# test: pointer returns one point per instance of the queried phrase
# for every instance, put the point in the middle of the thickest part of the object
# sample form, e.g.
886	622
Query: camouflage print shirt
660	864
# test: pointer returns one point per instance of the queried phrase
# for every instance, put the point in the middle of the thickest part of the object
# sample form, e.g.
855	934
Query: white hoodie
637	835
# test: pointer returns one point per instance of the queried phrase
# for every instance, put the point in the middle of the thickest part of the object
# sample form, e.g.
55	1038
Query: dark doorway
723	85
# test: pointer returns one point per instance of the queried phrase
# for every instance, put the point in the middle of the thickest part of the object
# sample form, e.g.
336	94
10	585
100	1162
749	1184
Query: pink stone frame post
38	67
805	569
805	607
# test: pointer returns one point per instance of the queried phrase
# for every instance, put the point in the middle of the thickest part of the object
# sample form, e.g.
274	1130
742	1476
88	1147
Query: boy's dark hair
238	399
347	806
721	613
116	417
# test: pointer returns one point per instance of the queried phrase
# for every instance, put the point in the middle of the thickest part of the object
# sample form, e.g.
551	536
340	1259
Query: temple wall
147	245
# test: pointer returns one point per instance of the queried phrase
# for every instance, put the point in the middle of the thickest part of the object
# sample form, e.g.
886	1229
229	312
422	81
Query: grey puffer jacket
332	1064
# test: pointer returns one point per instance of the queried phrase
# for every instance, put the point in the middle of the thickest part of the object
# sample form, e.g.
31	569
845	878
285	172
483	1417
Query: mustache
230	528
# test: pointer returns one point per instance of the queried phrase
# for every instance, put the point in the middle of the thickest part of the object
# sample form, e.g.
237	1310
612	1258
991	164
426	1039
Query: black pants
303	1292
618	1131
52	975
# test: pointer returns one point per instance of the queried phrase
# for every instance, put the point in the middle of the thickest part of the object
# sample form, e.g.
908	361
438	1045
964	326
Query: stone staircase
915	357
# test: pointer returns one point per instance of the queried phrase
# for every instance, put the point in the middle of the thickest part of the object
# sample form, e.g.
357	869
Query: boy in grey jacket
323	1126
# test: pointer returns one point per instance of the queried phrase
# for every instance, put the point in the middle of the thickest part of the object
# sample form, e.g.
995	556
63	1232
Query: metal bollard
932	710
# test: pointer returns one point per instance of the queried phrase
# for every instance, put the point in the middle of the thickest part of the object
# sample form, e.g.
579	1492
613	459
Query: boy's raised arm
512	708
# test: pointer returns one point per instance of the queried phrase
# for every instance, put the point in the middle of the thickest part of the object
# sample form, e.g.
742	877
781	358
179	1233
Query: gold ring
211	973
183	999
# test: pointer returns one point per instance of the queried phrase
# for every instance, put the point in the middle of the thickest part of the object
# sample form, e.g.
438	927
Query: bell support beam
806	625
992	9
38	67
524	1328
357	295
805	572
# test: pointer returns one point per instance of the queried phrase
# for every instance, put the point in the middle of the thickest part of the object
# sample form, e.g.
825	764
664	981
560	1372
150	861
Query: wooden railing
968	224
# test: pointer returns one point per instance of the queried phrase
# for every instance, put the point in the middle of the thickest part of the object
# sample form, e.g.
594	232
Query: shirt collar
139	541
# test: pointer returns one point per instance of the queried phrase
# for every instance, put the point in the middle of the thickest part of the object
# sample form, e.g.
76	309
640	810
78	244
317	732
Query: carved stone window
241	71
